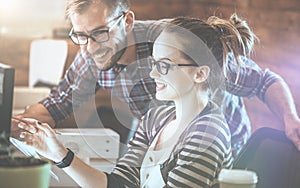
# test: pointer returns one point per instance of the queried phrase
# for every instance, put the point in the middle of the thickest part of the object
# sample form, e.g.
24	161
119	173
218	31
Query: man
114	56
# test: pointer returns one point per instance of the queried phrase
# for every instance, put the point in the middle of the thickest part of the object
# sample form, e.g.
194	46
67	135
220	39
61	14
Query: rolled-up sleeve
251	80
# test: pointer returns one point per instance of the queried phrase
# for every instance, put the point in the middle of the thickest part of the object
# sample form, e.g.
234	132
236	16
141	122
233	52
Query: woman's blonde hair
236	37
227	39
214	42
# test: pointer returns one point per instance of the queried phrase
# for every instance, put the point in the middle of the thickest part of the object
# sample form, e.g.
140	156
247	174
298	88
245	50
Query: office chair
46	61
273	157
46	64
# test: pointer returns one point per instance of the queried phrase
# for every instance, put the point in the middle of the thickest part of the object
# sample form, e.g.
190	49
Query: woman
185	145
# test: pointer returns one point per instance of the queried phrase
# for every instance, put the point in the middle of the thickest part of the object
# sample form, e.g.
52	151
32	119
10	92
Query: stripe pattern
195	161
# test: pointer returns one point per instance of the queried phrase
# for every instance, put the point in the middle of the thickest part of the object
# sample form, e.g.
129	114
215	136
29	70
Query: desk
98	147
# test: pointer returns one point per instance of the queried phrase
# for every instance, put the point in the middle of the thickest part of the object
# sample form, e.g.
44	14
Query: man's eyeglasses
99	36
163	67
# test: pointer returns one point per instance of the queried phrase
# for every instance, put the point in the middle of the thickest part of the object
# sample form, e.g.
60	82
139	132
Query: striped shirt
133	85
201	151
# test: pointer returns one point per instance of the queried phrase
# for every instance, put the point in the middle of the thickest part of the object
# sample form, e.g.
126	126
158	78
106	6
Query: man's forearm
280	101
39	112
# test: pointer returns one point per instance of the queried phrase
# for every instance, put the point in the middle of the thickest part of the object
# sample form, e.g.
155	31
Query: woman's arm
85	175
43	138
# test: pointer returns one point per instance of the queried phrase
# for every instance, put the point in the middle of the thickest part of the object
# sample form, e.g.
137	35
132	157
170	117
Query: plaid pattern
133	85
252	81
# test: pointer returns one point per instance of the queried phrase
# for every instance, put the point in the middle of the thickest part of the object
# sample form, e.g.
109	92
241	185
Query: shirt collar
143	51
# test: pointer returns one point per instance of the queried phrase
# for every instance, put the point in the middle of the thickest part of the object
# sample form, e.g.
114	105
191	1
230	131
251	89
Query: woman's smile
160	85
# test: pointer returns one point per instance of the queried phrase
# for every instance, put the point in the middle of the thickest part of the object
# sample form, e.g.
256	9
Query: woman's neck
189	106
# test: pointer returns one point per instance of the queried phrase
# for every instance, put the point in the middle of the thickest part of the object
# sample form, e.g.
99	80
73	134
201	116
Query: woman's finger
46	128
26	137
28	121
27	127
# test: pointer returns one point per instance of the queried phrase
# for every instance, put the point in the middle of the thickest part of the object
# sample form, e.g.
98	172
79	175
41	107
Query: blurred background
276	23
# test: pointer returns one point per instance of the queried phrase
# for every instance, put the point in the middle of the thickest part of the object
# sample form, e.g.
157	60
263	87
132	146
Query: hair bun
235	20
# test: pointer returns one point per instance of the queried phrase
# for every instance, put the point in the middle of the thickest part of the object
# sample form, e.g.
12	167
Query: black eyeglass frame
74	37
167	65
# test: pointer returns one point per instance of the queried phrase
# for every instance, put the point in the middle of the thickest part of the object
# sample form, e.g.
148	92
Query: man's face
95	18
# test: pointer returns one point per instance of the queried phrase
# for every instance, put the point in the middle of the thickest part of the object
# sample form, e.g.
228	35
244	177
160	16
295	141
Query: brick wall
15	52
276	23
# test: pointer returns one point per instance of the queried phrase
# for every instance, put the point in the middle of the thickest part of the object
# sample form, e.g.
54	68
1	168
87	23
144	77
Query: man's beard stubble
117	56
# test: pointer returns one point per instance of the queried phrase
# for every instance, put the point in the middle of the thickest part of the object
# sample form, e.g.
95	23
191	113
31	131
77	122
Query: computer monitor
6	97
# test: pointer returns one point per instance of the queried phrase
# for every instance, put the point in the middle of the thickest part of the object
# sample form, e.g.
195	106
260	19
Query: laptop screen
6	97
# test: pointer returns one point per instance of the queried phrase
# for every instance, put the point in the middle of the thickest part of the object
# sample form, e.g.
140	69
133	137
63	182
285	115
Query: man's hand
280	101
292	130
38	112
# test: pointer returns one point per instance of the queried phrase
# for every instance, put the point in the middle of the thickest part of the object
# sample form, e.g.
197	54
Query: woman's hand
14	129
42	138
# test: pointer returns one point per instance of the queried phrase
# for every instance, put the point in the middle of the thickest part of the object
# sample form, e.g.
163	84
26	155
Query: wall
20	23
31	18
275	22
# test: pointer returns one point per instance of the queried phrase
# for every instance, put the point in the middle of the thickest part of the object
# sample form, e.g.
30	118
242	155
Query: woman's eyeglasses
163	67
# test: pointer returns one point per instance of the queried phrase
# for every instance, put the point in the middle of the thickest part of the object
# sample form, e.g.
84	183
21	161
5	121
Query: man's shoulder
150	22
149	29
82	64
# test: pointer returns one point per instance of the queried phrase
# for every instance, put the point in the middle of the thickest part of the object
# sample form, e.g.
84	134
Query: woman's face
179	79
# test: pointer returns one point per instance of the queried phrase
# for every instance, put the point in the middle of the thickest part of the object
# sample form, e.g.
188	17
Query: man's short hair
115	7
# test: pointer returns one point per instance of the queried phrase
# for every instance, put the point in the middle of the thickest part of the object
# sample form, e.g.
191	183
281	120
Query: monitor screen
6	96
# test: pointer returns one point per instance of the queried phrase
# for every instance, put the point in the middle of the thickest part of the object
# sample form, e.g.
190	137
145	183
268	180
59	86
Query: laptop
7	74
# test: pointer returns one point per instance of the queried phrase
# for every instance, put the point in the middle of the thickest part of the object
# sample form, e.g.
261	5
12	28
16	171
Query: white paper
29	151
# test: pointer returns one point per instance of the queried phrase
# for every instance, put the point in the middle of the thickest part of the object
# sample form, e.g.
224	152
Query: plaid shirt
133	85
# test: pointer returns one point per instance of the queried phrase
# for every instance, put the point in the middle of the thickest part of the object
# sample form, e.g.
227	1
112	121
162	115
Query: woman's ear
201	74
129	21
